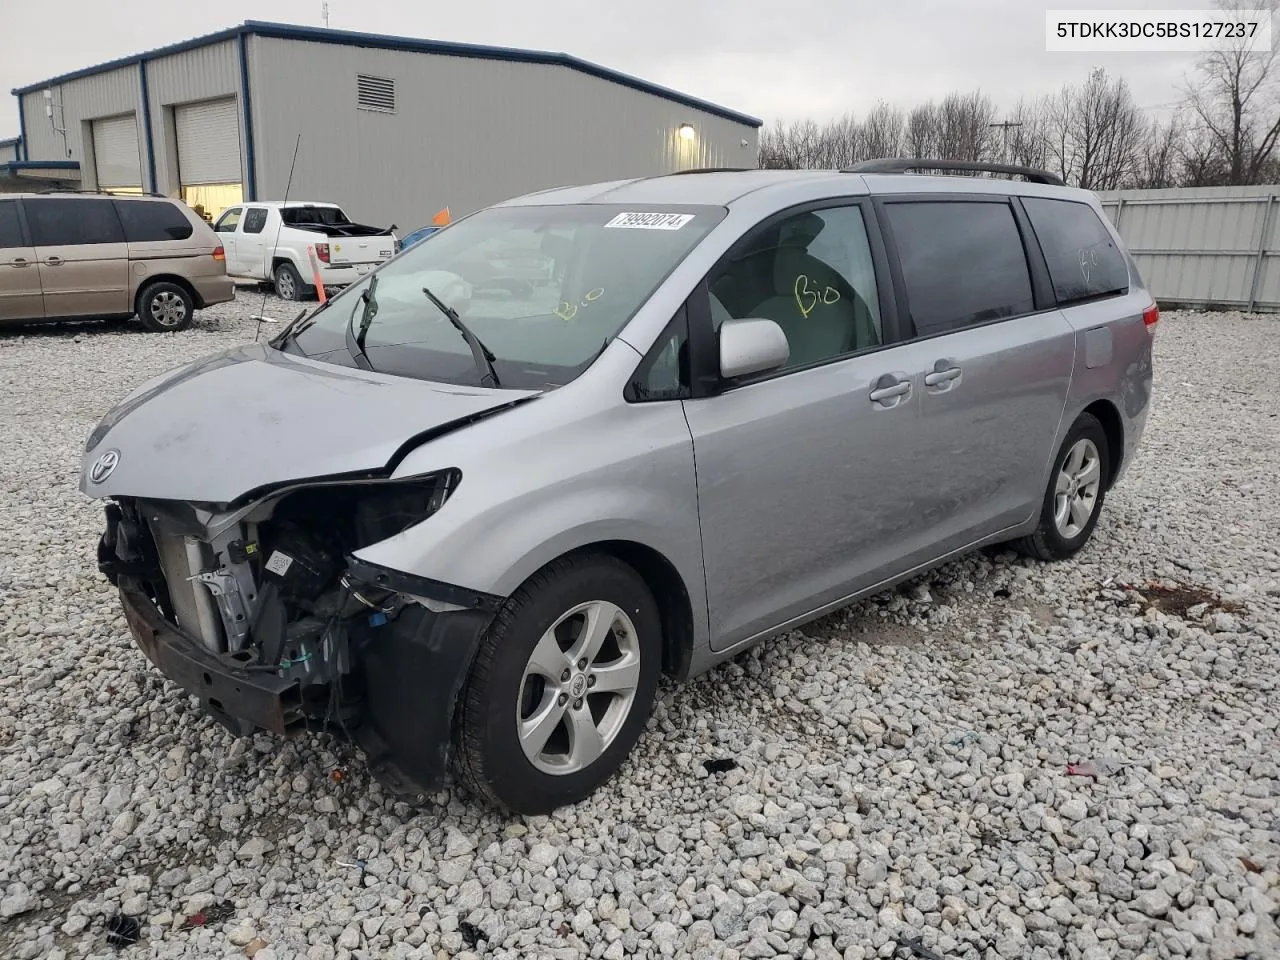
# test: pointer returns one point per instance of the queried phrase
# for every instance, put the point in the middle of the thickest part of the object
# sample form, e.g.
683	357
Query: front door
799	472
20	295
83	256
225	228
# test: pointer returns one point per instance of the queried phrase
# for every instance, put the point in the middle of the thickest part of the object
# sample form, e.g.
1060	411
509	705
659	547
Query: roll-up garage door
115	152
208	142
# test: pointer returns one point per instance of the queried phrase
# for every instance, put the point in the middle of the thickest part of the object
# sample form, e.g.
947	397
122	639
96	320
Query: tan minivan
69	256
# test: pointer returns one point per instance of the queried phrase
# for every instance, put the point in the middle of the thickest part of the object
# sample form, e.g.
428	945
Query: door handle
53	261
939	377
888	389
19	262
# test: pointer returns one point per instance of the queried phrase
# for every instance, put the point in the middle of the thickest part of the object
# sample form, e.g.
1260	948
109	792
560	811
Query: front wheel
562	685
165	307
1077	487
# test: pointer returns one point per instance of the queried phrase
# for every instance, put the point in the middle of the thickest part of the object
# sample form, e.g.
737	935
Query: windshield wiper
355	341
482	355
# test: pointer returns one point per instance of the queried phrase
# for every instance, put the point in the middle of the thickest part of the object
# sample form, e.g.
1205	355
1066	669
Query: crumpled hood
254	417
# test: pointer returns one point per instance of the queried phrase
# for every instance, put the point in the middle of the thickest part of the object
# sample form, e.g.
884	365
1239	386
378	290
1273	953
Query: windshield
543	288
322	216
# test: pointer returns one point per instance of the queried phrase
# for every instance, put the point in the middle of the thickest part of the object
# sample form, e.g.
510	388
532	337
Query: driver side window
227	222
812	274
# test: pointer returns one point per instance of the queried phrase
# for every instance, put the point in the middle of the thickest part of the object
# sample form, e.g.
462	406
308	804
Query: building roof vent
375	93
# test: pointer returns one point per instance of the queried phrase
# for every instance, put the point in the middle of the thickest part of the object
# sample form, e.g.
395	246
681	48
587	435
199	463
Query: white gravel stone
902	766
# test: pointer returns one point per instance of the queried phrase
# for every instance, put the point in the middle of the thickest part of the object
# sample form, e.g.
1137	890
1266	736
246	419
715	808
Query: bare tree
1237	101
922	136
1159	156
1028	142
1094	132
882	133
965	126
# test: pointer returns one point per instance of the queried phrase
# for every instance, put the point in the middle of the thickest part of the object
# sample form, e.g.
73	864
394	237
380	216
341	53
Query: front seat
817	308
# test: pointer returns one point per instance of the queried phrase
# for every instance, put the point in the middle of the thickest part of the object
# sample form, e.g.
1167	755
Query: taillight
219	253
322	251
1150	317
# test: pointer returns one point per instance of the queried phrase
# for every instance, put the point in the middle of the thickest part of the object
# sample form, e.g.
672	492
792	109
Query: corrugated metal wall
1215	246
205	73
8	151
466	132
76	104
199	74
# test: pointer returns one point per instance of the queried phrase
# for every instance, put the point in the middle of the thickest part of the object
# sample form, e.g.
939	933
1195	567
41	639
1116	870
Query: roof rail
678	173
904	165
102	193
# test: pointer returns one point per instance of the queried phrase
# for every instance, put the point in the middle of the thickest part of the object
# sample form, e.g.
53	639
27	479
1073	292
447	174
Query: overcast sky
770	58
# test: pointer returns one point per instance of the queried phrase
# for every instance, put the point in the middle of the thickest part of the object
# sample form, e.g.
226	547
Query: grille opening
375	93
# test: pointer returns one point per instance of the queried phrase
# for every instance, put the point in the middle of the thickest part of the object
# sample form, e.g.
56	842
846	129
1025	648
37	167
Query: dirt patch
1178	599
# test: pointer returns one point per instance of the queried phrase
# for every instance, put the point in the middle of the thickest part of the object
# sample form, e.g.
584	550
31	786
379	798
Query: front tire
1073	500
165	307
561	687
288	283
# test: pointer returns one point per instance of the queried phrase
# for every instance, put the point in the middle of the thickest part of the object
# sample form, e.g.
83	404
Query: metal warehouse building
392	128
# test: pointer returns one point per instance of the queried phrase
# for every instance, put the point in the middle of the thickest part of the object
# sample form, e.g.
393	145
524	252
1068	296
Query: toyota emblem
103	466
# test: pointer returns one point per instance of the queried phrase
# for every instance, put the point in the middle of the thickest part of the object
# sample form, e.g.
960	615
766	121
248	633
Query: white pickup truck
268	241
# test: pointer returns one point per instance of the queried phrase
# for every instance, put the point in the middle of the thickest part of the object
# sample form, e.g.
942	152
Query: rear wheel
562	685
164	307
1077	488
289	285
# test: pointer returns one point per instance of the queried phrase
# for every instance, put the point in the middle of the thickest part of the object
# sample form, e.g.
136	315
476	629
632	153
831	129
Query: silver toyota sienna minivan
470	510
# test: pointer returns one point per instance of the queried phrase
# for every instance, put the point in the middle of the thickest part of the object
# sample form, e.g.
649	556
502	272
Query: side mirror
751	346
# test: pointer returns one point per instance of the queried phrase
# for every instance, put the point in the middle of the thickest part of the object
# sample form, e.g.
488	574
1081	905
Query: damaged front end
266	616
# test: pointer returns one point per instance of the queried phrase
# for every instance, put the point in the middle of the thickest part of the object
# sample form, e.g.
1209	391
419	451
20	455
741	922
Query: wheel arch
1107	414
675	605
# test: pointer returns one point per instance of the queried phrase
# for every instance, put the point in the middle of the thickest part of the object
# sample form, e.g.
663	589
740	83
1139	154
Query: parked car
421	233
473	527
73	256
269	241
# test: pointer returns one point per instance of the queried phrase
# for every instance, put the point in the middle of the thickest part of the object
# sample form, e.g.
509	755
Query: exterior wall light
686	131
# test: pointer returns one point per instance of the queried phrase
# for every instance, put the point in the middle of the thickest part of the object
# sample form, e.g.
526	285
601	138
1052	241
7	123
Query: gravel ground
901	769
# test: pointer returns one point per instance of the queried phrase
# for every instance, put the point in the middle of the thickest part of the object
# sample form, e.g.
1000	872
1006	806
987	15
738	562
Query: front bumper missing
411	670
242	700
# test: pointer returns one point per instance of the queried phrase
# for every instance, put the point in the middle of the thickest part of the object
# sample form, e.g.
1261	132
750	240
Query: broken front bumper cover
412	672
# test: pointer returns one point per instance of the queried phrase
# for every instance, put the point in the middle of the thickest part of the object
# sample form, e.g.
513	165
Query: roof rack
904	165
101	193
678	173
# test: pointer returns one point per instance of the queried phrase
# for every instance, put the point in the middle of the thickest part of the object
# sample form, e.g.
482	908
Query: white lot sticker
279	563
650	221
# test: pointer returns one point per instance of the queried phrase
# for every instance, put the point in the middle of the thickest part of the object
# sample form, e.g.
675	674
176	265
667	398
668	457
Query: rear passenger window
146	221
254	220
66	221
10	228
812	274
962	263
1082	257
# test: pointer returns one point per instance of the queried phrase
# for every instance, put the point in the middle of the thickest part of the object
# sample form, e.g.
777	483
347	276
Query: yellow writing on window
567	311
808	295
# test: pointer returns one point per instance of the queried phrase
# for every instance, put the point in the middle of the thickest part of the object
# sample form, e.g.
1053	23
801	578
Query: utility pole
324	9
1004	126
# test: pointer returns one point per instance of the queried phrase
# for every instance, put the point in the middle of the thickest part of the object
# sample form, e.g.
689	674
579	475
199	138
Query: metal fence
1204	246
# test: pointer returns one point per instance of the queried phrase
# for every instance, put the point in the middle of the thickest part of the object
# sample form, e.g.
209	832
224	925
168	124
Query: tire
165	307
1055	539
511	684
288	283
